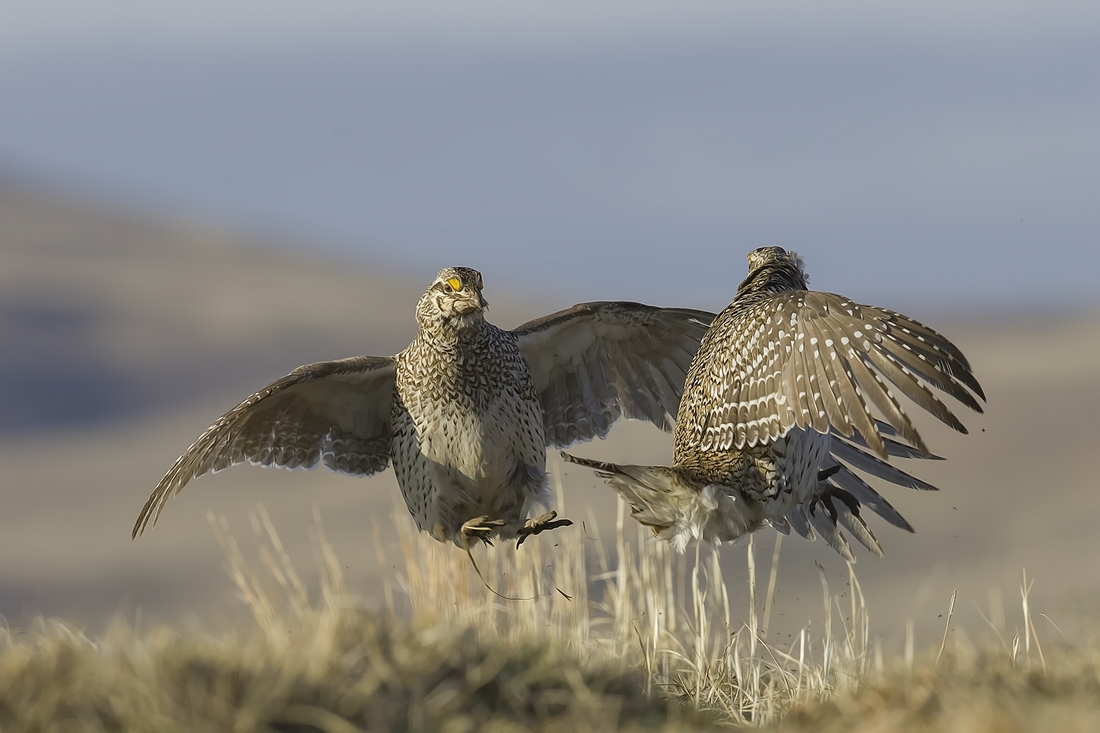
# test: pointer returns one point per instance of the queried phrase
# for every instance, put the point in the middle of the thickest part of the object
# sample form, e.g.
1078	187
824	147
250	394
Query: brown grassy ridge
982	693
324	664
619	640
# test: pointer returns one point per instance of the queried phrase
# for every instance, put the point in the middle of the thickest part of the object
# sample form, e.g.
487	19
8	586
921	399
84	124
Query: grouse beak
474	301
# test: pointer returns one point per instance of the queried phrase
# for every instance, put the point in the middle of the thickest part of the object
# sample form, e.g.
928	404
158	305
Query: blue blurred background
932	153
178	180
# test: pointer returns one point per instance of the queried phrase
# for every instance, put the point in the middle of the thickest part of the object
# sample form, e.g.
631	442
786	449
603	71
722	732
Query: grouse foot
540	524
480	529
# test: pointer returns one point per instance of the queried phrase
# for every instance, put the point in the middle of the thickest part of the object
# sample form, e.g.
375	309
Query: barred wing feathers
817	360
596	362
335	413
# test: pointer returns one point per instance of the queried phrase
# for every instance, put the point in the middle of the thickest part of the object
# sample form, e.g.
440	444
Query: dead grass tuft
328	665
631	637
986	693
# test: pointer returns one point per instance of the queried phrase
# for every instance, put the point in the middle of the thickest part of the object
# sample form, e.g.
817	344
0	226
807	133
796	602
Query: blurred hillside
124	337
114	317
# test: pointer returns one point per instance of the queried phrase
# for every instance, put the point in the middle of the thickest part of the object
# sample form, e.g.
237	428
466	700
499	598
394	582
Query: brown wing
596	362
817	360
332	412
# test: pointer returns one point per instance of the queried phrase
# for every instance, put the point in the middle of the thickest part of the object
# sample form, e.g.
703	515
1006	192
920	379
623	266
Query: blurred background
196	198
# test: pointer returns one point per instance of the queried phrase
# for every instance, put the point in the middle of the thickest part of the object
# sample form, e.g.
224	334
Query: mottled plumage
465	412
790	390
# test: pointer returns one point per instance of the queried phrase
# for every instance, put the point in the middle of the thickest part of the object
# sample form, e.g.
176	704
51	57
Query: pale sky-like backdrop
936	153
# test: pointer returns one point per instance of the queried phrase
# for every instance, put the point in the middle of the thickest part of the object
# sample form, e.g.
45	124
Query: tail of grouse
682	510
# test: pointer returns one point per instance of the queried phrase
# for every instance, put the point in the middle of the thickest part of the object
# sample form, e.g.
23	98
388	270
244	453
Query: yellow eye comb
455	283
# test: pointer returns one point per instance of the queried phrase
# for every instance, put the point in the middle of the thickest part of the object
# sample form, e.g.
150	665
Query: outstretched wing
332	412
596	362
817	360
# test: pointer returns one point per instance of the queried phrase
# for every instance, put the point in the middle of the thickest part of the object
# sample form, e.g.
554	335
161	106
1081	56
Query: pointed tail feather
677	508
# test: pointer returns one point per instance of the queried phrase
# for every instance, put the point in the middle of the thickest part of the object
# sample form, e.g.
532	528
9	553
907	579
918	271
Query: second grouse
778	399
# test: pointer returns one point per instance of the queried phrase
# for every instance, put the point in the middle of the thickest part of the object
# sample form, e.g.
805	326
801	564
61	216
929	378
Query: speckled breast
465	422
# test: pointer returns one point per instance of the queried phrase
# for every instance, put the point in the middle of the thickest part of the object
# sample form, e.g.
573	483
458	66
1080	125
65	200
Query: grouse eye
454	285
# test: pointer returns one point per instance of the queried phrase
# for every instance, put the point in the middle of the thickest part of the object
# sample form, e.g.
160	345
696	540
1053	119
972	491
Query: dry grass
979	693
321	665
631	638
637	601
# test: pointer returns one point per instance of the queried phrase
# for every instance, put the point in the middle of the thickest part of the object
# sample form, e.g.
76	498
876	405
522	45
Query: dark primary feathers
596	362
